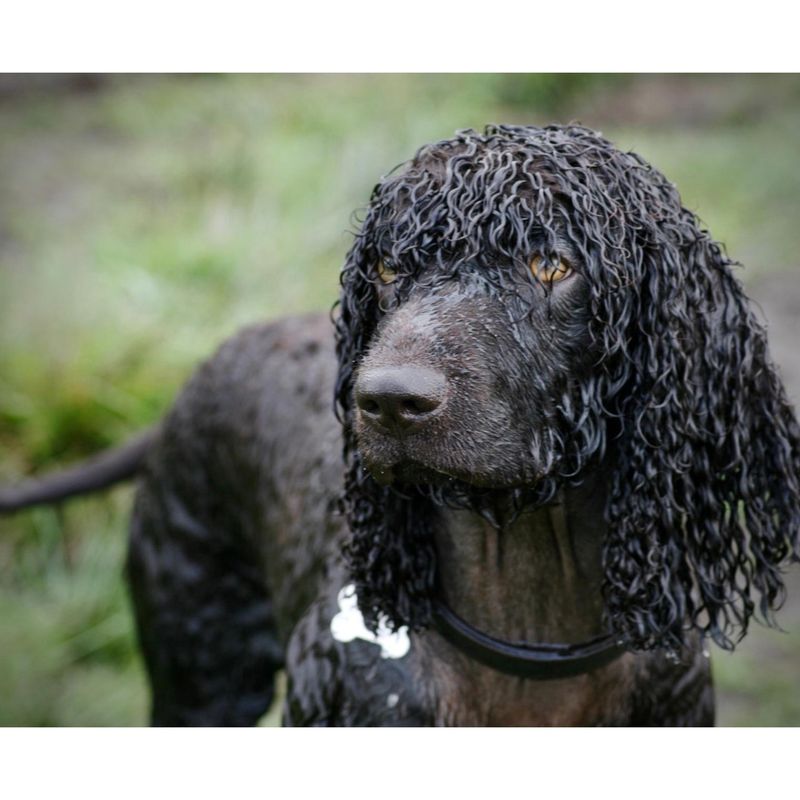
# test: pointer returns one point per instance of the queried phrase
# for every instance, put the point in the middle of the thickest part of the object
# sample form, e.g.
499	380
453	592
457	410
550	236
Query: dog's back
233	521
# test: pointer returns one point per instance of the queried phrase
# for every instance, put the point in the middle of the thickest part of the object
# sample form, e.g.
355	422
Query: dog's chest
341	674
467	693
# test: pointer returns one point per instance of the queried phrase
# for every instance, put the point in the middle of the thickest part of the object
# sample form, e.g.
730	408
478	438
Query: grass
143	223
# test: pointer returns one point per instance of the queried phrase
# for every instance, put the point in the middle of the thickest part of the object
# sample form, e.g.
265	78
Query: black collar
541	661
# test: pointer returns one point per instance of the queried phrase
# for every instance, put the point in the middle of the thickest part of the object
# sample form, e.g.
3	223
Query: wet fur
637	396
665	363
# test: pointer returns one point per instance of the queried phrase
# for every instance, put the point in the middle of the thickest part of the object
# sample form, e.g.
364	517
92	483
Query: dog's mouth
435	460
411	472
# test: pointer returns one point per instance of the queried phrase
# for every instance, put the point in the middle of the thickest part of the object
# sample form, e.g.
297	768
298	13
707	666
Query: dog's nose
399	399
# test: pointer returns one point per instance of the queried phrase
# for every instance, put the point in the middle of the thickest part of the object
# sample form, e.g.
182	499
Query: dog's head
521	304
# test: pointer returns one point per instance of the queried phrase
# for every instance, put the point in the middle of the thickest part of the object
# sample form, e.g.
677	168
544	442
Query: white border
402	764
412	35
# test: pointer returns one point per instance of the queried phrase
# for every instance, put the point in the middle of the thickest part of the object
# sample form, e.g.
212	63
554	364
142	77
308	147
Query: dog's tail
104	470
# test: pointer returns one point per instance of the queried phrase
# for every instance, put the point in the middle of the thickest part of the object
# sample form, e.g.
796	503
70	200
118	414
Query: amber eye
386	273
548	272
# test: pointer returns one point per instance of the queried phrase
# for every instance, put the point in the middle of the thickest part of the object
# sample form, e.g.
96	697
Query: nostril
418	405
410	406
369	406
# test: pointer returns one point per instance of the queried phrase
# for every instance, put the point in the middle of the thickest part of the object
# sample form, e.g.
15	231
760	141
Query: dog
559	464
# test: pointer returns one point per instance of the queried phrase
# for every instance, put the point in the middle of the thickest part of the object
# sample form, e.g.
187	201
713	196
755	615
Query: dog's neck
536	580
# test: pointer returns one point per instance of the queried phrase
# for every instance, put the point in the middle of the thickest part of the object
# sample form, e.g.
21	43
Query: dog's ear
355	316
704	505
389	552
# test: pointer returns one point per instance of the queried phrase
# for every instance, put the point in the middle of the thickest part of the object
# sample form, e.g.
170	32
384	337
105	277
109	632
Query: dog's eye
386	273
547	272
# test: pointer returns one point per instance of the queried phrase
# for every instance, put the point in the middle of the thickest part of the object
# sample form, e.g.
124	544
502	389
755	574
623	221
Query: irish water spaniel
569	464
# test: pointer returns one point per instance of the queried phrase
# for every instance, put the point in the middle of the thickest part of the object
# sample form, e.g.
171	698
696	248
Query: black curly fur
704	503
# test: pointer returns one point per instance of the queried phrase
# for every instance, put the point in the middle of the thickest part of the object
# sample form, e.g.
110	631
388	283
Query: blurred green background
143	219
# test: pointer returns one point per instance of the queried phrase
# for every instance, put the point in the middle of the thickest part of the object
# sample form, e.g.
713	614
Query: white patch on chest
348	624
